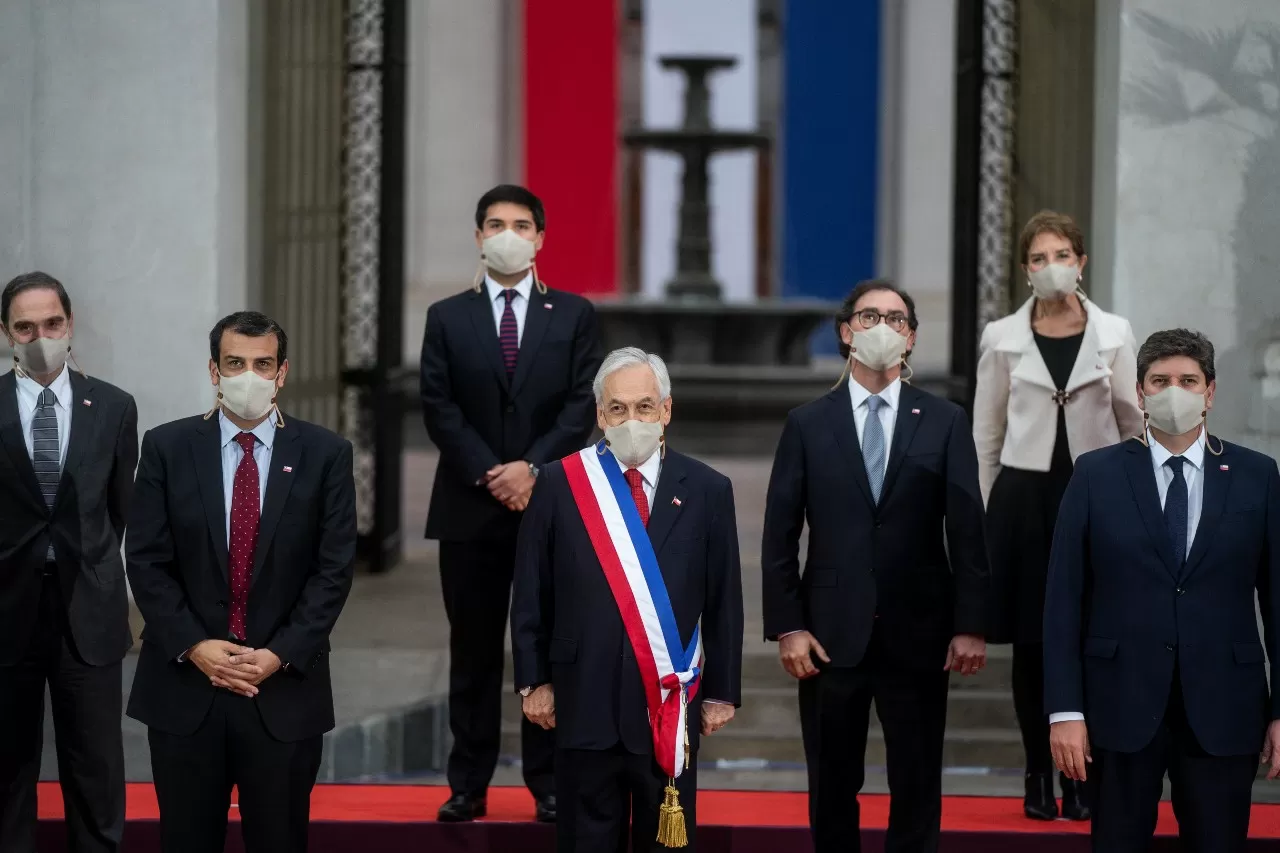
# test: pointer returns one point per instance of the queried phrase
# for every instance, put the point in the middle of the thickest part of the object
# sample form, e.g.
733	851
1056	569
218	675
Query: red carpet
398	817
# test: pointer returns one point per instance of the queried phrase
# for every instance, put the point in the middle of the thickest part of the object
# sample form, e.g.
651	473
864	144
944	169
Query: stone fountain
738	367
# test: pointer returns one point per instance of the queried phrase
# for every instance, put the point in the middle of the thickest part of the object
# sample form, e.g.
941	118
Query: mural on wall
1232	77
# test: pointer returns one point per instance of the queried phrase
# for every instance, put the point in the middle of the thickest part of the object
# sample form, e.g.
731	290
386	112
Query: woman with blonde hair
1056	378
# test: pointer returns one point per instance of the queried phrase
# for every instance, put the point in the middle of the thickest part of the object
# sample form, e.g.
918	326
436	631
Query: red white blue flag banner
670	671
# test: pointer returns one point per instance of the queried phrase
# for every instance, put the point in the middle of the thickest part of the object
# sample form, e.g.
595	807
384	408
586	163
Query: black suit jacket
565	625
1120	613
865	561
86	524
302	570
479	419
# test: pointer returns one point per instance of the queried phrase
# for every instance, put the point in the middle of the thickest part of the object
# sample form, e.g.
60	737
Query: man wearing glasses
886	607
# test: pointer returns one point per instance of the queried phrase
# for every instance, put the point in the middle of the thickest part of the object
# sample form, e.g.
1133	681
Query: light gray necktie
873	446
46	452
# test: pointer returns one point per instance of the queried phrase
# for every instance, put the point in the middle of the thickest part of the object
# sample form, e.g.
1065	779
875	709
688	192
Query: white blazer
1014	410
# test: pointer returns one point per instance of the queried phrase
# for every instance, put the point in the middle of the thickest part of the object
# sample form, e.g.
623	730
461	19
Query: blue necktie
1175	509
873	446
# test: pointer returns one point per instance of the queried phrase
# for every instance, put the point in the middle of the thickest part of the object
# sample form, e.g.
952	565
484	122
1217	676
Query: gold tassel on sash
671	828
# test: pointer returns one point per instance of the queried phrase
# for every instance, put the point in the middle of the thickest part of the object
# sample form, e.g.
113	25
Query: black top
1059	356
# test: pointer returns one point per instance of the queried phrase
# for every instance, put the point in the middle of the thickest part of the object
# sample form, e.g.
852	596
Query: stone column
123	156
1187	188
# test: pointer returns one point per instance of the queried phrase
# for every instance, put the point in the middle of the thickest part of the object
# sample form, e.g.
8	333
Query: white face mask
507	253
1175	411
1054	281
247	395
633	442
879	347
43	355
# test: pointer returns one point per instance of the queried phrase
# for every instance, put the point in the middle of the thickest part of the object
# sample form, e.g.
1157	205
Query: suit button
1181	591
879	524
510	408
1168	647
222	604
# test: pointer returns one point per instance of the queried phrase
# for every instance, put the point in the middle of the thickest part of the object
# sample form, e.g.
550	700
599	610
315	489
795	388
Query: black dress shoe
461	807
1075	805
1039	803
545	809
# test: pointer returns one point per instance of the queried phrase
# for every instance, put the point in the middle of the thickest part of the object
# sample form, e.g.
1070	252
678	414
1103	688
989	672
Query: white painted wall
708	27
123	156
917	163
458	144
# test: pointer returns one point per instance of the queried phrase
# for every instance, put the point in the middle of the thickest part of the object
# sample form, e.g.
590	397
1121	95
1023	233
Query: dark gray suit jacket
86	524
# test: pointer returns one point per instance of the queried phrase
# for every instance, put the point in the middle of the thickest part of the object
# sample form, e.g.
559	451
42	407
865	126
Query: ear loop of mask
1208	439
217	401
19	370
477	283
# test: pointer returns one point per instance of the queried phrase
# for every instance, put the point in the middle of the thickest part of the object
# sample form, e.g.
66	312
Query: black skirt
1021	513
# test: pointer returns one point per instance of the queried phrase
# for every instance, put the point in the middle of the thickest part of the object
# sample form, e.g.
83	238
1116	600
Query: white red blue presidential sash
670	671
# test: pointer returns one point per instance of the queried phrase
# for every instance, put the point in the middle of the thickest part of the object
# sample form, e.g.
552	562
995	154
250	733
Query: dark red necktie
509	334
245	511
636	482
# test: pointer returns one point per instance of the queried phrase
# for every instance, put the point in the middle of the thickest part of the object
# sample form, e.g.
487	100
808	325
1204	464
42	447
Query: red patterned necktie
245	510
636	482
509	333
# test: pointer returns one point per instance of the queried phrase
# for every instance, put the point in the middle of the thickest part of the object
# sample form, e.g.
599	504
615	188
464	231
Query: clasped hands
239	669
966	655
540	707
510	483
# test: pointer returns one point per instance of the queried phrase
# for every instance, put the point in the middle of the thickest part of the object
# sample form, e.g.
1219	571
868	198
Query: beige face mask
1175	411
879	347
42	356
633	442
247	395
507	253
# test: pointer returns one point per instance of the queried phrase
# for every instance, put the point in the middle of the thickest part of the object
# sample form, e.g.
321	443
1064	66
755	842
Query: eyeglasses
870	318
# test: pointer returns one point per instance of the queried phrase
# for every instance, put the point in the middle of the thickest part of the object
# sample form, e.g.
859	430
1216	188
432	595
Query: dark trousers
1211	793
1028	703
835	707
476	580
194	775
87	709
602	791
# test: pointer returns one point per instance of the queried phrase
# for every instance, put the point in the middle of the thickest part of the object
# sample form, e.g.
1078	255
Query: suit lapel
846	431
1216	485
284	461
15	444
206	452
665	512
904	429
536	320
84	426
486	333
1088	366
1142	480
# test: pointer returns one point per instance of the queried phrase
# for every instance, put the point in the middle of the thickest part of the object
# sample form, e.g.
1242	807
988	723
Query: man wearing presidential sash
626	620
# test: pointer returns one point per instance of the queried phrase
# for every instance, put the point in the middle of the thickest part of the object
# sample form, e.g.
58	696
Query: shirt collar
61	388
265	431
524	288
648	468
1193	454
890	394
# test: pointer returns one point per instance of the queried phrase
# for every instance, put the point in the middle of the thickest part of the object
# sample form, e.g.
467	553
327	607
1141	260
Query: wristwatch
533	471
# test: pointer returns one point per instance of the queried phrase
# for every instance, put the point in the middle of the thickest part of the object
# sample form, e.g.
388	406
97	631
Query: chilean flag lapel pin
1224	467
547	305
675	502
288	469
915	411
87	402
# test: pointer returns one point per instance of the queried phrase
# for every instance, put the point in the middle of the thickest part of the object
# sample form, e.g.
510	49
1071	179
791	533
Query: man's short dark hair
252	324
32	281
845	315
1175	342
511	194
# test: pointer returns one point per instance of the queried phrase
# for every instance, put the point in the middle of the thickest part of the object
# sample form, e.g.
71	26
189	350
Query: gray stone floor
389	652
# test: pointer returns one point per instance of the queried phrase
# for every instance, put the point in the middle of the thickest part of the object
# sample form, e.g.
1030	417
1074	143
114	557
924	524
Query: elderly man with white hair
626	620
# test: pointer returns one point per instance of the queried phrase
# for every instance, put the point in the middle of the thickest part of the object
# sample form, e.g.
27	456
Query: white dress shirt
232	454
649	470
29	397
1193	473
888	412
519	305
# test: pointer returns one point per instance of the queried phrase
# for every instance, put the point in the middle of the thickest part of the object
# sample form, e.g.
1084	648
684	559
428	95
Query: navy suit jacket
565	625
868	562
1120	614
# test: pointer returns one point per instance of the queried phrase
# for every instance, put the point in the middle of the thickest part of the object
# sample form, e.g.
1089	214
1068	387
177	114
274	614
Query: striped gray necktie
45	450
873	446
